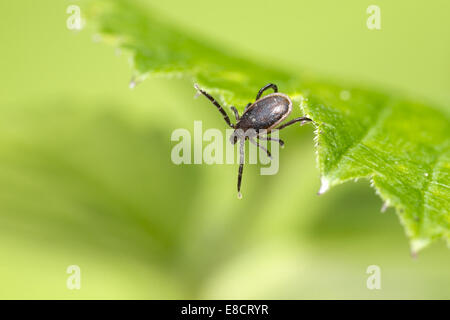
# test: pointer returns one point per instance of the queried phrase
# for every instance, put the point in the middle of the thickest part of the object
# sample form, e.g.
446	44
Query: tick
257	121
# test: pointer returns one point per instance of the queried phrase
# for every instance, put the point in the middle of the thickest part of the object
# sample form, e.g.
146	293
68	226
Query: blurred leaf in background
86	176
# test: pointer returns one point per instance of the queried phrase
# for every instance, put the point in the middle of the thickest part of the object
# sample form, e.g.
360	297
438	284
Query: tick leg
236	113
224	114
246	107
302	121
241	166
267	86
261	147
267	138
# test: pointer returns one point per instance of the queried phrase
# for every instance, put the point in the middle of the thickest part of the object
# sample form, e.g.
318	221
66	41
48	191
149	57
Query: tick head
236	135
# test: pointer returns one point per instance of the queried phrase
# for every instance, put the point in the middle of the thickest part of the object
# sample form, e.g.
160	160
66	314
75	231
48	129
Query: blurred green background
86	177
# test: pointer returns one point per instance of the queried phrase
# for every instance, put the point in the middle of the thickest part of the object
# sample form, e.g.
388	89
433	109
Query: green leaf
402	146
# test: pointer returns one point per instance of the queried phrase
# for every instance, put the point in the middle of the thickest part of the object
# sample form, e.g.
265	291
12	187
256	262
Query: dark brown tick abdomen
265	113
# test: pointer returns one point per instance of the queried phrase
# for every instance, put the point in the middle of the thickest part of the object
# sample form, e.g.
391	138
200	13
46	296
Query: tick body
265	113
257	121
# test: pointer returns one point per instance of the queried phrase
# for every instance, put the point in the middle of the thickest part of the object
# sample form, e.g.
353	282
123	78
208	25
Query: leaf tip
385	206
324	186
417	245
